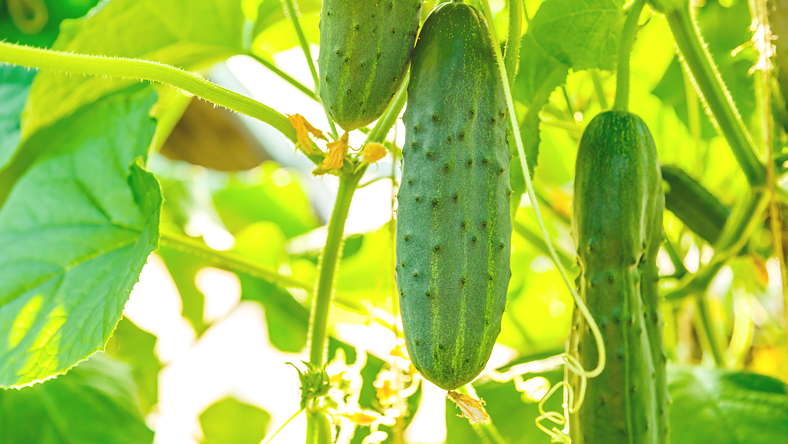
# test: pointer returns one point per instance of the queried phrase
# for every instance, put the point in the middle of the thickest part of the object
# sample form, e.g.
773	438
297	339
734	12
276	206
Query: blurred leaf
95	403
275	195
230	421
513	418
76	231
273	32
15	84
213	137
136	347
368	274
183	33
724	407
183	268
57	11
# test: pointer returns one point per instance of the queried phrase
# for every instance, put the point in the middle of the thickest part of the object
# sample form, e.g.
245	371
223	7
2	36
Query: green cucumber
700	211
616	204
365	47
453	222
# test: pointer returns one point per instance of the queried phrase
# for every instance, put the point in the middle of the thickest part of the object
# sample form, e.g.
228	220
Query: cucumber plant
451	248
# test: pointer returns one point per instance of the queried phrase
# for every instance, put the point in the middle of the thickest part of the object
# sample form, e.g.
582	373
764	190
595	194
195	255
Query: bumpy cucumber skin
365	47
617	184
649	291
694	205
453	222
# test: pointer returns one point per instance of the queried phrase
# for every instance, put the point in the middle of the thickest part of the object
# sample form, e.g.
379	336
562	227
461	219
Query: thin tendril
571	362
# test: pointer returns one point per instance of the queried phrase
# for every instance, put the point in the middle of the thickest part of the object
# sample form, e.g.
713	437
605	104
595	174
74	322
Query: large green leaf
76	231
231	421
95	403
136	347
15	84
187	33
727	407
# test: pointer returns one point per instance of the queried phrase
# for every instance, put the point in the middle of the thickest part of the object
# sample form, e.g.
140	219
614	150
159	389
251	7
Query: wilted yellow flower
471	408
303	129
373	152
336	153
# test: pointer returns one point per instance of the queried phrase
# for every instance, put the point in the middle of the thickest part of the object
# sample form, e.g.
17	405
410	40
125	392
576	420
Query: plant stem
292	10
760	13
707	330
230	261
144	70
390	116
600	91
624	49
713	92
511	56
286	77
329	262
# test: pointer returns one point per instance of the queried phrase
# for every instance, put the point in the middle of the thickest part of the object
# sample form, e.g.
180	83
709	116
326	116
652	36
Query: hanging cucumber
616	203
365	47
453	222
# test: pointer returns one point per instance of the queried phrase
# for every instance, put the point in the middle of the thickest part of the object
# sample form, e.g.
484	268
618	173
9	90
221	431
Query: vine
572	364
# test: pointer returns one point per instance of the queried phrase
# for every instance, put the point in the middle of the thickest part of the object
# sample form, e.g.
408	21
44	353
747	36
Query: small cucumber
700	211
453	222
616	205
365	47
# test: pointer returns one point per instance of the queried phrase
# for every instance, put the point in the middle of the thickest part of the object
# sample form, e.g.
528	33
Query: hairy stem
511	56
292	10
230	261
625	47
713	92
144	70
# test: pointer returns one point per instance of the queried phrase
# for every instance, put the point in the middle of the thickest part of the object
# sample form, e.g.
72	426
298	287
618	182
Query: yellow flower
373	152
303	129
336	153
471	408
361	418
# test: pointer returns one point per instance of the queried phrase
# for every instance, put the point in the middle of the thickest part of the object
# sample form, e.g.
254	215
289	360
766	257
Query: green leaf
726	407
274	32
57	11
95	403
183	33
136	347
15	84
273	194
76	231
183	268
231	421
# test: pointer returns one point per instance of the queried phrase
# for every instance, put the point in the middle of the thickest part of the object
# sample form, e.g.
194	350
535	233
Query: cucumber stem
285	76
511	56
292	10
713	92
137	69
624	49
708	330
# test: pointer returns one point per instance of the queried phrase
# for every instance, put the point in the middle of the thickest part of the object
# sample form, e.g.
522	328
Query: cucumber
700	211
616	204
365	47
453	223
